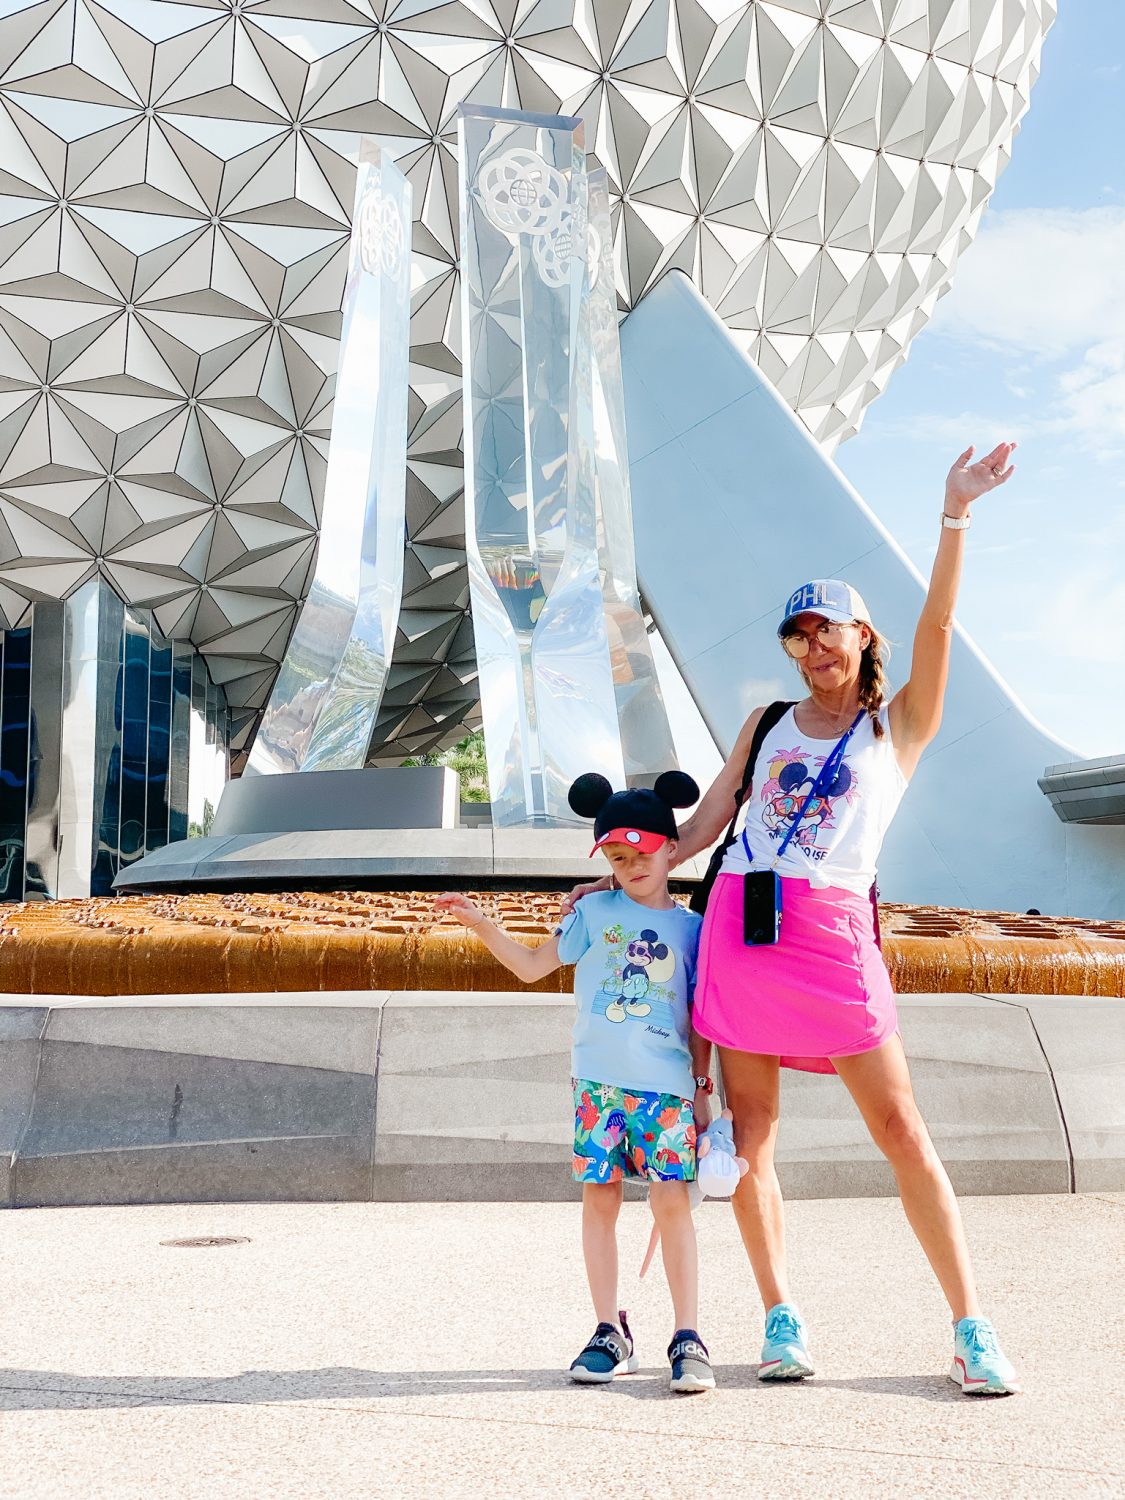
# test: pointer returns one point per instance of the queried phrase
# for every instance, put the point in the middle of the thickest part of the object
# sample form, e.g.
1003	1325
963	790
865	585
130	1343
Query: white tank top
841	833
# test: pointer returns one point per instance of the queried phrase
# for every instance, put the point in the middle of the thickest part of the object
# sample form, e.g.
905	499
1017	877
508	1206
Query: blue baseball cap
830	597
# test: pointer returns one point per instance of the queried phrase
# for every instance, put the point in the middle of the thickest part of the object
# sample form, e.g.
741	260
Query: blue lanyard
825	779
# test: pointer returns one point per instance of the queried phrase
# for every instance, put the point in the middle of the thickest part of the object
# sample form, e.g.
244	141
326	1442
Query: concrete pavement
417	1350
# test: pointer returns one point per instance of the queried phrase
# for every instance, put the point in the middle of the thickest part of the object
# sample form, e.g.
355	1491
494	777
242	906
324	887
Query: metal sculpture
327	695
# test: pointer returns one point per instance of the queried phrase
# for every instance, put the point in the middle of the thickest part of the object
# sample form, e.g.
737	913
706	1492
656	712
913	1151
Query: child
639	1070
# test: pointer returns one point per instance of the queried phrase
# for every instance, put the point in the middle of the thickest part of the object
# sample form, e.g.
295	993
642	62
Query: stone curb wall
451	1096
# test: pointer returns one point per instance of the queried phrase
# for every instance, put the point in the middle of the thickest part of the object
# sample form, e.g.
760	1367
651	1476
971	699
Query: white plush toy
718	1171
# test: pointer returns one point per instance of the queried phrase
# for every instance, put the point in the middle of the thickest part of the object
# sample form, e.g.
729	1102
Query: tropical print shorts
626	1133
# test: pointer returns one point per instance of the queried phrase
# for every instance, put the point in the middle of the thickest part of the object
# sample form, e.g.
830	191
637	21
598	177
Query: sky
1030	344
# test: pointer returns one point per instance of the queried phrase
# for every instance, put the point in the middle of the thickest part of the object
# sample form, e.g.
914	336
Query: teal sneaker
784	1355
980	1366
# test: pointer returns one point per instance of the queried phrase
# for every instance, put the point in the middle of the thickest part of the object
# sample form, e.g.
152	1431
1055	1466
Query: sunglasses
830	634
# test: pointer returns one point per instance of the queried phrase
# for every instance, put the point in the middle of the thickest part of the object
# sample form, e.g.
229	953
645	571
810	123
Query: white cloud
1030	345
1046	287
1093	398
1046	282
948	431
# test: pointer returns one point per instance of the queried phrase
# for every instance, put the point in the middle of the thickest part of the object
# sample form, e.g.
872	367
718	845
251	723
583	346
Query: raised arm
916	708
528	964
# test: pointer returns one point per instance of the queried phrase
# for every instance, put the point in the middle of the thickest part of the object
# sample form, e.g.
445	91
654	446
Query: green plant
203	830
467	759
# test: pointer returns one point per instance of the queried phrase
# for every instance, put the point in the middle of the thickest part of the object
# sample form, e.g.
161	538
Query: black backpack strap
771	716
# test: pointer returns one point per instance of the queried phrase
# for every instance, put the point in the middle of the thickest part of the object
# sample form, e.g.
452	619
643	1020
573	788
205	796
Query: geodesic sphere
179	184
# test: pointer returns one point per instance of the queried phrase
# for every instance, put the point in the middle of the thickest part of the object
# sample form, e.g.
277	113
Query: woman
820	997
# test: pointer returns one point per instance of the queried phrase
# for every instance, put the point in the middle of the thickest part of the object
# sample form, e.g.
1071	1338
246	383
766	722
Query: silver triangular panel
183	301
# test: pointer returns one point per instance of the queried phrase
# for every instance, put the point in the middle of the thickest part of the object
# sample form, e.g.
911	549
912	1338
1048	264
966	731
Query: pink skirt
821	991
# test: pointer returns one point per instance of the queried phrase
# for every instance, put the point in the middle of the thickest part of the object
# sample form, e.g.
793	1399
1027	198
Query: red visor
635	838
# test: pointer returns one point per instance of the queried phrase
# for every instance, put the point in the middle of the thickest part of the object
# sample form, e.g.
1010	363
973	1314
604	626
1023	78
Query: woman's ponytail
873	679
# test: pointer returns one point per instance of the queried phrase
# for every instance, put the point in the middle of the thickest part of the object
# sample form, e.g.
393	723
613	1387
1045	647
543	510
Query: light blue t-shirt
633	982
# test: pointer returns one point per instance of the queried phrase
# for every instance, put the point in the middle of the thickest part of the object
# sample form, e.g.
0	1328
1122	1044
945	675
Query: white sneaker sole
582	1376
991	1387
689	1385
785	1369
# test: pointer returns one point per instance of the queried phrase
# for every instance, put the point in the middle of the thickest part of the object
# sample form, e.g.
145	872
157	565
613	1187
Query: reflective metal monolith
646	739
330	684
547	694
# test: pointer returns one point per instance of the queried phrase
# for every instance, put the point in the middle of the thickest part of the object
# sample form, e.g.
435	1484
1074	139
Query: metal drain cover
207	1241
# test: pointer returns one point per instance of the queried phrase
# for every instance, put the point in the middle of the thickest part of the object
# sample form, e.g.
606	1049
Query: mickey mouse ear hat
640	818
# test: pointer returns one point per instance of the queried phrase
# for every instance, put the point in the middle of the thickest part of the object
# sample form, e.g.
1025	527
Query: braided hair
873	679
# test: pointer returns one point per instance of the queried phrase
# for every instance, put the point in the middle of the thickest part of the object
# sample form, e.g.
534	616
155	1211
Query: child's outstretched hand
528	964
462	907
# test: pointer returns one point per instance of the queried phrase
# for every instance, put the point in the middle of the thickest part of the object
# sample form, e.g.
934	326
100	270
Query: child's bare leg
601	1203
671	1209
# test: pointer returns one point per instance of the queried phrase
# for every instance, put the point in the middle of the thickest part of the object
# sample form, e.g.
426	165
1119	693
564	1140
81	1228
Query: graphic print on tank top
792	774
841	832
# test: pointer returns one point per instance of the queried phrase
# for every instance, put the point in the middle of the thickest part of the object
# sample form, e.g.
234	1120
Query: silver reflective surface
102	694
547	695
159	743
646	739
765	147
134	739
15	713
43	765
201	799
95	742
327	694
63	815
182	653
208	760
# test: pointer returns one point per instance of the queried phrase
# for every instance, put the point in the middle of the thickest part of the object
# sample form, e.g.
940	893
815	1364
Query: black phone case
761	907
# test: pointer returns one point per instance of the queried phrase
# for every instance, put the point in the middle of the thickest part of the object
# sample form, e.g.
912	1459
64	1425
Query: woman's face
831	666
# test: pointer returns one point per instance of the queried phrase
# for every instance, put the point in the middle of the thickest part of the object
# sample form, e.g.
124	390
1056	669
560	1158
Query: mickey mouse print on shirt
791	779
648	963
634	972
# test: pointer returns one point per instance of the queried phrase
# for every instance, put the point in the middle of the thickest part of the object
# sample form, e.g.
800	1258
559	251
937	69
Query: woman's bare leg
879	1082
751	1086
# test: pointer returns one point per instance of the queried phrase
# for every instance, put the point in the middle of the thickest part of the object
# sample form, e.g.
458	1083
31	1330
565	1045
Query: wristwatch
956	523
705	1083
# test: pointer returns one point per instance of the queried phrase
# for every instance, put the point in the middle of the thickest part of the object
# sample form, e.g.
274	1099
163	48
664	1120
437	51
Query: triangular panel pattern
175	186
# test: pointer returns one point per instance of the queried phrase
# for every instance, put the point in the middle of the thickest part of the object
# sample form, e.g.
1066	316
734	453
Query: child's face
641	876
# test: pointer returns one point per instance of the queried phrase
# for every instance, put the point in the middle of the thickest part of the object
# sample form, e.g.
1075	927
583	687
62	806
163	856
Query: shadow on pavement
927	1387
51	1390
